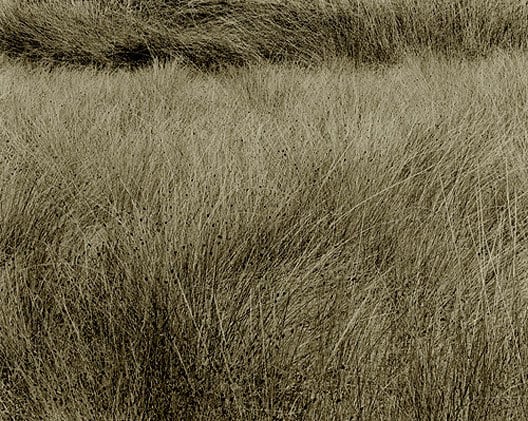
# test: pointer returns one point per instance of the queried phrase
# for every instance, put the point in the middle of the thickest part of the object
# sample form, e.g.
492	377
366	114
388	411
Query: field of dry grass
270	240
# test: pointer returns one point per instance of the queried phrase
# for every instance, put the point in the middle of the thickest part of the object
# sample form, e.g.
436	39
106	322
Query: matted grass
265	243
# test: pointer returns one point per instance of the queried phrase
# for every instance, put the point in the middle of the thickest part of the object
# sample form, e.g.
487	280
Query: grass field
266	241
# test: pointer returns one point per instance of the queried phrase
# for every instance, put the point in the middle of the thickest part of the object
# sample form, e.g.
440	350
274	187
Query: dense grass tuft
213	33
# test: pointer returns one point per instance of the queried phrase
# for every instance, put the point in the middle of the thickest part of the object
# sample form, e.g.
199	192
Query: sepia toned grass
265	243
212	34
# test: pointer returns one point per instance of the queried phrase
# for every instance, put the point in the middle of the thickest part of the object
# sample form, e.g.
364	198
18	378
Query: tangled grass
216	33
266	242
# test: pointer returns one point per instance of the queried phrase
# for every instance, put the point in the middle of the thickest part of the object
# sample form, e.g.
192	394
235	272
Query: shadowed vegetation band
214	33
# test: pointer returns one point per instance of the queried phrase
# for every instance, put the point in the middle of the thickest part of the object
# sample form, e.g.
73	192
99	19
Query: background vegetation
265	243
215	33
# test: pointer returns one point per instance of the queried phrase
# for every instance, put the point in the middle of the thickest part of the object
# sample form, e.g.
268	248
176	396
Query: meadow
280	239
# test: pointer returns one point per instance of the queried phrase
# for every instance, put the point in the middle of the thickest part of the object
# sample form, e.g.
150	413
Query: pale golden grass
269	242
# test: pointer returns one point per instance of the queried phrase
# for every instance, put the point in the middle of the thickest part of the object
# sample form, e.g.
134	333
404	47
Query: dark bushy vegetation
212	33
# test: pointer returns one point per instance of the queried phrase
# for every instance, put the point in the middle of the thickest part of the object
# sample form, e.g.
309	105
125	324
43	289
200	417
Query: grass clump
213	33
354	246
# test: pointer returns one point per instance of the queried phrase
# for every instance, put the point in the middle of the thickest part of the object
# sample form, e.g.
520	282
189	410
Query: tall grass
216	33
265	243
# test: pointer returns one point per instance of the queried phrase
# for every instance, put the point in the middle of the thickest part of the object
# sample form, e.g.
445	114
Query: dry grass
214	33
265	243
